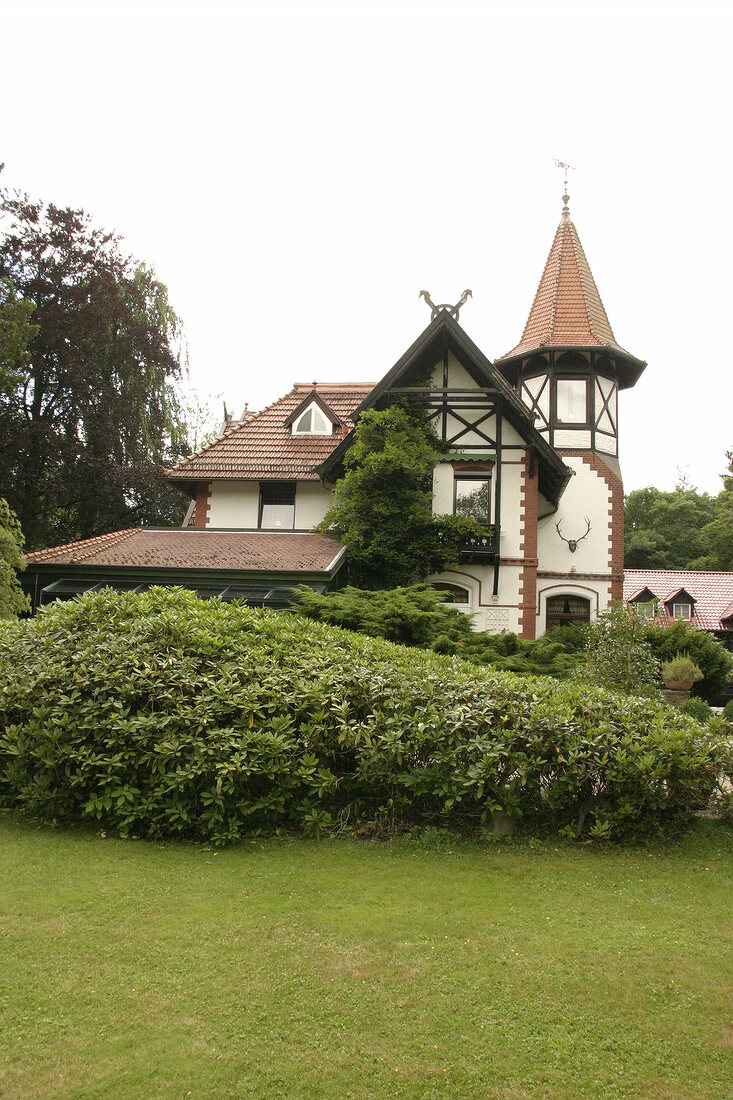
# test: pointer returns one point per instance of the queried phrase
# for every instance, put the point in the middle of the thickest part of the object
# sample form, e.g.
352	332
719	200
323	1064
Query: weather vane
565	197
453	310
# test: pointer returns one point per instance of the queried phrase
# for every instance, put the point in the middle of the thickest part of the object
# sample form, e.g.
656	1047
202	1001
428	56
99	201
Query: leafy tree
382	507
665	530
618	655
12	599
92	416
717	535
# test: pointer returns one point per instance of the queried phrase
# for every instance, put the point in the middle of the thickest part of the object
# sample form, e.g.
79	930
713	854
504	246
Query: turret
568	367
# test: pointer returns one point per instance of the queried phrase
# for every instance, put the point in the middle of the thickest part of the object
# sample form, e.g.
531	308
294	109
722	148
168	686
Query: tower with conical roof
568	369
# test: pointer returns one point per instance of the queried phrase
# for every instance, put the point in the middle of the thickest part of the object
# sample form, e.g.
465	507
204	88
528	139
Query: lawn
334	969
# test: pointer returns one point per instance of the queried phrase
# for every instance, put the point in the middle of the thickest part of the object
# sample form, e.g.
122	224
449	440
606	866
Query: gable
472	408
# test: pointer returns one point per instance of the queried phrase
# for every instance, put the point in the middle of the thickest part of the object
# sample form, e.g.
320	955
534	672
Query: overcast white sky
296	173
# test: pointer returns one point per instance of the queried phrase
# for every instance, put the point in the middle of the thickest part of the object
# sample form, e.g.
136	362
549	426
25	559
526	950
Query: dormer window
681	605
312	421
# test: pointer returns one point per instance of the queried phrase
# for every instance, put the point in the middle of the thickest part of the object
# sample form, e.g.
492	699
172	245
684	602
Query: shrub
728	711
698	709
413	615
617	654
162	715
712	658
681	669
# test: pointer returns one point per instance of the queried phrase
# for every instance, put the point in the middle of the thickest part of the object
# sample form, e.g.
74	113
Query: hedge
162	715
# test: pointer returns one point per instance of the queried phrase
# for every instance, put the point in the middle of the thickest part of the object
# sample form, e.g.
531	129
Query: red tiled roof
567	310
189	548
712	592
264	448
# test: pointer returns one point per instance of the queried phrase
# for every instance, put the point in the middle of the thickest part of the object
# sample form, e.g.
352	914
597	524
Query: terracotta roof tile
712	592
567	310
264	448
188	548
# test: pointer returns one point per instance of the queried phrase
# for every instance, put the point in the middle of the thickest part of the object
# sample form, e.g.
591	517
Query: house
530	447
702	598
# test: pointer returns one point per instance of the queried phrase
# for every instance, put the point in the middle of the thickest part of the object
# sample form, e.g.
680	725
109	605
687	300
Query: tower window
571	401
277	505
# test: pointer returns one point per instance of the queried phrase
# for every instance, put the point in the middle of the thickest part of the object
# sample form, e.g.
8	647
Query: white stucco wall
491	614
236	504
311	504
587	495
233	503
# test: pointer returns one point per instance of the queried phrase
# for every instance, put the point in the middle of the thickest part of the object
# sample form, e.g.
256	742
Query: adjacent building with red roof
703	598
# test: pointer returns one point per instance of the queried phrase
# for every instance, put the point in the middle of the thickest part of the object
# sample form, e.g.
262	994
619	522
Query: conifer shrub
698	709
161	715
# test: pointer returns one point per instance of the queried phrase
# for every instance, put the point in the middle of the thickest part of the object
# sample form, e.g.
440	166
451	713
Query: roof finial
566	197
444	306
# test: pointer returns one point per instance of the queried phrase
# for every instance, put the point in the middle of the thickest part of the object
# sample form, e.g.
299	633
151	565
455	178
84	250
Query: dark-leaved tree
92	415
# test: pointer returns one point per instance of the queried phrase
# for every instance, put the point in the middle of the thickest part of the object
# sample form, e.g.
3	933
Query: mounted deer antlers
573	543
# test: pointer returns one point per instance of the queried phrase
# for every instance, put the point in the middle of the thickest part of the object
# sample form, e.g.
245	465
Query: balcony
480	549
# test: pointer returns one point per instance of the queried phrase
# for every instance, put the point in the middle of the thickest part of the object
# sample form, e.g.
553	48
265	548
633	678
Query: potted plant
680	673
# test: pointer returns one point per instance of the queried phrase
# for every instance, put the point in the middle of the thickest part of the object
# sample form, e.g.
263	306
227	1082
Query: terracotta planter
678	685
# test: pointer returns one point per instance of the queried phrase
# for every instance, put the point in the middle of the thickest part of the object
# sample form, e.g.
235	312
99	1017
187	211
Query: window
646	610
472	495
572	401
456	593
566	609
681	611
277	505
313	422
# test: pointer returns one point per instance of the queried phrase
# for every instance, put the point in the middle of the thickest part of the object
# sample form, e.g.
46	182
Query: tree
92	416
15	333
717	535
664	530
382	507
13	601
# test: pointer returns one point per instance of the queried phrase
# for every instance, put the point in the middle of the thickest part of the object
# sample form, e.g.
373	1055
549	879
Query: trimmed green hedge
163	715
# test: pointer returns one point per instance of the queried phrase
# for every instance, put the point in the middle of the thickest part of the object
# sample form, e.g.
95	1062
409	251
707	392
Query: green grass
299	969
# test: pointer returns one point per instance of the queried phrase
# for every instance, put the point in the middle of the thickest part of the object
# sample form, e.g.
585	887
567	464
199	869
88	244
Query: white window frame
682	607
316	409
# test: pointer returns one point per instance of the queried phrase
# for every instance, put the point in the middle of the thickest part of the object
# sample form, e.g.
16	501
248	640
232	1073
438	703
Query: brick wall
203	504
528	549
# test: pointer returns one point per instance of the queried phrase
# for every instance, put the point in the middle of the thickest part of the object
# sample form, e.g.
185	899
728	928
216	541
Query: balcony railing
480	549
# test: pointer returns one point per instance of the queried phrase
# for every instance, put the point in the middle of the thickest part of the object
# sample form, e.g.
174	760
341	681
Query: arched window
566	609
313	421
456	593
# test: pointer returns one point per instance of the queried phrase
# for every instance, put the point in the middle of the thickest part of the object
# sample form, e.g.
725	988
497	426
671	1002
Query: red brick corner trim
528	499
203	504
615	516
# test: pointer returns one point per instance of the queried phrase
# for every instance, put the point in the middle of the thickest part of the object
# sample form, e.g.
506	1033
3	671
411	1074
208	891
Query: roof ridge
105	542
229	431
110	538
